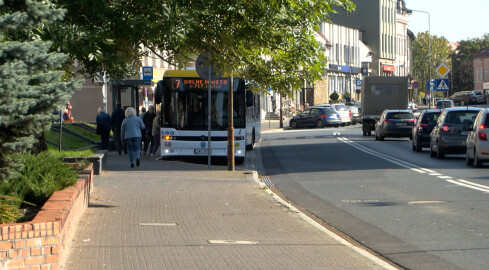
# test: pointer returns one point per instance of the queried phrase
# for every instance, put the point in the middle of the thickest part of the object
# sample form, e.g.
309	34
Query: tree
463	65
440	53
31	79
270	43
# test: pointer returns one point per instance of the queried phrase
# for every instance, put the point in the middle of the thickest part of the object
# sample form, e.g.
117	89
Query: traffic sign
442	85
442	70
415	84
147	73
358	83
430	85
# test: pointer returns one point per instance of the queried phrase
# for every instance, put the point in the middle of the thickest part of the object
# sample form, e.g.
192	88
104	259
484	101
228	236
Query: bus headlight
238	138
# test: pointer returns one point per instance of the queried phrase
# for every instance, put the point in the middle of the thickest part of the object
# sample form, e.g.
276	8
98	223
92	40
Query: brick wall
41	243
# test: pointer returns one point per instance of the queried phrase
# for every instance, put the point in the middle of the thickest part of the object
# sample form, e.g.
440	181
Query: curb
321	225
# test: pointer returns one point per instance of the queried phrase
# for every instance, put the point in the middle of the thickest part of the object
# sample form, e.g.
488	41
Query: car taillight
412	121
448	128
482	133
386	121
324	116
338	116
350	113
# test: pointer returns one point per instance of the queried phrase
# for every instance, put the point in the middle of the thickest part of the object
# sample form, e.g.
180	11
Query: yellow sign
442	70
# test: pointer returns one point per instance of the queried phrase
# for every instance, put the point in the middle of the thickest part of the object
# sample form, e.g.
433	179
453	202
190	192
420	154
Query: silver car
477	143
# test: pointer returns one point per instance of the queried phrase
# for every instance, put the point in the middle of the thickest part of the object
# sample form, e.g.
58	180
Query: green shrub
334	96
9	209
41	176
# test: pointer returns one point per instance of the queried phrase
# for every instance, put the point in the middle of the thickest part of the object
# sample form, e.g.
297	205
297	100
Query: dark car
464	98
450	133
422	130
316	117
394	123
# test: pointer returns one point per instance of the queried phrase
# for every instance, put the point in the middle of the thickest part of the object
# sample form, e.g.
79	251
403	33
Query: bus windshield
185	104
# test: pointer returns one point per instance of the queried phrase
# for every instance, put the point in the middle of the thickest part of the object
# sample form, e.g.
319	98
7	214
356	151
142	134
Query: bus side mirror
249	98
158	92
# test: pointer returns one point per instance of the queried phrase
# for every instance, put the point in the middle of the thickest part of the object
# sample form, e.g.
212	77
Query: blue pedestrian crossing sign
442	85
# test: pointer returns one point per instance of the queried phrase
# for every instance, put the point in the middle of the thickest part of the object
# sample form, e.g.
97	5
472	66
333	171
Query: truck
380	93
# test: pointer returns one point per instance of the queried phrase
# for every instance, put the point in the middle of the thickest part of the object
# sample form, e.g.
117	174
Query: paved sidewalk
180	215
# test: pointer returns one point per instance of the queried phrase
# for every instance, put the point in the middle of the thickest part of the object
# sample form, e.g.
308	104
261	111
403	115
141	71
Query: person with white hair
104	125
131	135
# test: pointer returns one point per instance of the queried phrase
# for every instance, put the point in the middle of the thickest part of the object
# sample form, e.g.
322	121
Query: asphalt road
417	211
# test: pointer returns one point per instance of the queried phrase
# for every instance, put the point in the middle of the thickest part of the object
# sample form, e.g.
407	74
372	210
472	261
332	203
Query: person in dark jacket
104	124
117	117
148	118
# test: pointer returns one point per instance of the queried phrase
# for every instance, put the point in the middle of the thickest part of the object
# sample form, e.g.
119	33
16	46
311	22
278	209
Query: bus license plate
201	151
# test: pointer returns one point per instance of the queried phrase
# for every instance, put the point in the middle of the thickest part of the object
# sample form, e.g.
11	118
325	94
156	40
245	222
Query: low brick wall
42	242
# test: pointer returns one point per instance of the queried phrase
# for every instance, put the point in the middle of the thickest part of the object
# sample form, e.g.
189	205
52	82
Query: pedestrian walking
118	116
131	135
148	118
104	124
156	134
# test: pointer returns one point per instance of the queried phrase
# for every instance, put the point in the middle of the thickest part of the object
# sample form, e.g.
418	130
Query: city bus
183	98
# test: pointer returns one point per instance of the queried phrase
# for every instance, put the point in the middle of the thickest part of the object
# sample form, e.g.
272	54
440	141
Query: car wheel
462	103
293	124
477	161
364	133
432	153
381	138
319	124
469	161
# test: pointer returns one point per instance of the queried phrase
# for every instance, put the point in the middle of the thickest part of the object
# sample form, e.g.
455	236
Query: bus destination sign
194	83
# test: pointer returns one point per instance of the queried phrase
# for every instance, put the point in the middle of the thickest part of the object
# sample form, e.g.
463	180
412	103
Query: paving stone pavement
172	215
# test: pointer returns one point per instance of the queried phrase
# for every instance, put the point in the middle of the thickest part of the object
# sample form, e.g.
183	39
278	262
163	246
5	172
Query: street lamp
429	50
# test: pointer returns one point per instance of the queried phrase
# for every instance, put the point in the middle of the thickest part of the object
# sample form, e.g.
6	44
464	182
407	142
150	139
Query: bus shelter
118	86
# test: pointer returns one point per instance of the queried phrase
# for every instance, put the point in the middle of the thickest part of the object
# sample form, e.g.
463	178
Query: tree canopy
463	65
441	52
271	43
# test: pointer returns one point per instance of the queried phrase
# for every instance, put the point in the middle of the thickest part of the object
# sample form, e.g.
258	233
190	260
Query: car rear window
341	108
461	117
430	118
328	110
444	104
400	115
353	109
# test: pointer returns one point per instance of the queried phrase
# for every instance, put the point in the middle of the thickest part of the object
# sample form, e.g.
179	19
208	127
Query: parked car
344	112
412	106
477	144
449	135
480	96
394	123
355	114
464	98
442	104
316	117
422	130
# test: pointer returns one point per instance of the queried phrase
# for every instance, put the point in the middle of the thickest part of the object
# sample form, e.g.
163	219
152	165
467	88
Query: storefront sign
388	68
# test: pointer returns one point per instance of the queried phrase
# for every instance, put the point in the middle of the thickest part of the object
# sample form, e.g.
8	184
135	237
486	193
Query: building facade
481	70
404	39
346	55
377	20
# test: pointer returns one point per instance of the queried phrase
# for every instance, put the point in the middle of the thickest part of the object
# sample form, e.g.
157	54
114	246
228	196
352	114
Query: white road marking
467	185
232	242
157	224
413	167
424	202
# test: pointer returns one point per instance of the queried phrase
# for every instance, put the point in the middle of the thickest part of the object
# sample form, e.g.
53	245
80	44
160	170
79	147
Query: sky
454	19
